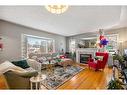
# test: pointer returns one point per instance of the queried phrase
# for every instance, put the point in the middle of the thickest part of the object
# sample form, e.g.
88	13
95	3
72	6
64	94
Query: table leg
64	66
31	85
47	68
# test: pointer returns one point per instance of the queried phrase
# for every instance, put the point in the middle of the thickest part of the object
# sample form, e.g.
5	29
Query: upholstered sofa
21	80
41	57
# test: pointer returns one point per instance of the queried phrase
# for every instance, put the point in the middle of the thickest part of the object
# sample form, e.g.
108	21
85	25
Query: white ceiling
76	20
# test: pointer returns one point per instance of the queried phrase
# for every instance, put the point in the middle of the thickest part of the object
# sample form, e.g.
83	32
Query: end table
37	80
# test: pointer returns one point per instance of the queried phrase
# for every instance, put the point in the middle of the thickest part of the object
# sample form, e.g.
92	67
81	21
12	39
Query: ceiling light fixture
56	9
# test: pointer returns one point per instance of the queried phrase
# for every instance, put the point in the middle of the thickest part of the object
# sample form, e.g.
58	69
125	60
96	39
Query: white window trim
27	35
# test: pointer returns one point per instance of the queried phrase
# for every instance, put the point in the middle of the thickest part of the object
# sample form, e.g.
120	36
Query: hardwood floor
3	83
86	79
89	79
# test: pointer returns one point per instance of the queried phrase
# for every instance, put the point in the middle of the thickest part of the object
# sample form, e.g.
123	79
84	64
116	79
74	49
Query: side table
37	80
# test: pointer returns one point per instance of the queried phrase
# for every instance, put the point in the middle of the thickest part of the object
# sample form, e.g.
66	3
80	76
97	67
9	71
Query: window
113	42
72	45
38	45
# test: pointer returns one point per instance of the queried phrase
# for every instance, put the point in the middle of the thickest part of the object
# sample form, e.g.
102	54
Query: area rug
60	76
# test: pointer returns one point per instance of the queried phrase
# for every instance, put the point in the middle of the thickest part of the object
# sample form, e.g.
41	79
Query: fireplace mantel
79	51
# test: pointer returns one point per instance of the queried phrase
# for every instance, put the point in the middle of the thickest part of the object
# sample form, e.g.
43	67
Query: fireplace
82	53
84	58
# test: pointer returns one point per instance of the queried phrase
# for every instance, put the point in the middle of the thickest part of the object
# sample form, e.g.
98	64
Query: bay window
38	45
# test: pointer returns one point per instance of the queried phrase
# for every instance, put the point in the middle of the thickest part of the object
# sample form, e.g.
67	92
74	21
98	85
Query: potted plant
119	58
115	84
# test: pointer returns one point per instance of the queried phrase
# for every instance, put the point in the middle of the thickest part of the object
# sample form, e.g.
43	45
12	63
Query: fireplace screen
84	58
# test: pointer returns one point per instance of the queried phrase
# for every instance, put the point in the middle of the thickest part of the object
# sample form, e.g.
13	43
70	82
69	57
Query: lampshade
56	9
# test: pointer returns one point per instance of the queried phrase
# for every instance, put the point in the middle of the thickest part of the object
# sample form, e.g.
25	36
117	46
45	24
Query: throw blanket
6	66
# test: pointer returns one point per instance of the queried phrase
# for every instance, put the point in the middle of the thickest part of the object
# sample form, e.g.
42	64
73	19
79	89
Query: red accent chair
99	64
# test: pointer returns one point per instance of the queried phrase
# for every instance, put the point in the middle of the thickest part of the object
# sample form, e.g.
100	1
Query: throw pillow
62	56
99	58
41	59
22	63
58	60
6	66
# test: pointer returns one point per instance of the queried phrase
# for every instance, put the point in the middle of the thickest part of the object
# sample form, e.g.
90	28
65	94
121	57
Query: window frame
24	44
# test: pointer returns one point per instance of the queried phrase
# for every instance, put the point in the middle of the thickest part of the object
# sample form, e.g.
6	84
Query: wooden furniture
49	67
65	62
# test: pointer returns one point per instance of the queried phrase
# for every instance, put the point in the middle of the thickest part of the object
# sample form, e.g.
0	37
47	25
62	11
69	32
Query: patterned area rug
60	76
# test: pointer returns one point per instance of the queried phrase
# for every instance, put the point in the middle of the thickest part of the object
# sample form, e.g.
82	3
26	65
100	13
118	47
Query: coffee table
65	62
49	67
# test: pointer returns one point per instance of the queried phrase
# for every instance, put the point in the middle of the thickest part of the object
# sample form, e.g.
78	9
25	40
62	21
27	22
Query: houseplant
119	58
115	84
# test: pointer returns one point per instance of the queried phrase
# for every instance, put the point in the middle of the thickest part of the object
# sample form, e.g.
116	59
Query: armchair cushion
99	58
26	74
29	74
93	64
19	80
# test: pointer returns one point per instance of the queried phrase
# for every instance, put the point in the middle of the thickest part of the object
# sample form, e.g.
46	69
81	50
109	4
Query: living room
79	47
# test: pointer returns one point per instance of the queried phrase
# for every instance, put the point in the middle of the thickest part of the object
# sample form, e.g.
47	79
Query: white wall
11	38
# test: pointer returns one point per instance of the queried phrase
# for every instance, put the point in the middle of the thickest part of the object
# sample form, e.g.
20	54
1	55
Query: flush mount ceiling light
56	9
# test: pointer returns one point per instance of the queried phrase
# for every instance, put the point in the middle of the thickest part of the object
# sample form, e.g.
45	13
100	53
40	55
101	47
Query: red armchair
99	64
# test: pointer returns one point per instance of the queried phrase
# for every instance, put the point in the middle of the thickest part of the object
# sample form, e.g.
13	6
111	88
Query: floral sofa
55	58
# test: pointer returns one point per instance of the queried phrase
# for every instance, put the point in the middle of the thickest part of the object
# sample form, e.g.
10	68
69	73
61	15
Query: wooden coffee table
65	62
49	67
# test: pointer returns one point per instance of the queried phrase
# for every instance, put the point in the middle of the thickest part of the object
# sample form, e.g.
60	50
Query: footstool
65	62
